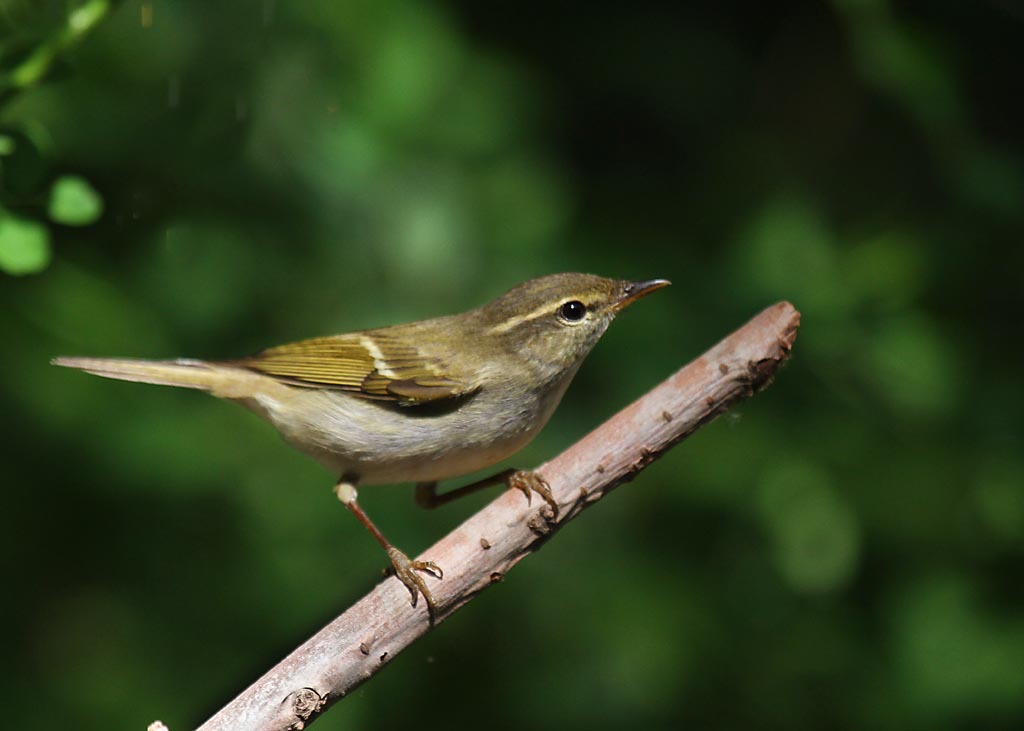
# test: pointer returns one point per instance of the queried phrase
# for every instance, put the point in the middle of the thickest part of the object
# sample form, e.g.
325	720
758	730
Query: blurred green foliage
74	202
206	179
32	44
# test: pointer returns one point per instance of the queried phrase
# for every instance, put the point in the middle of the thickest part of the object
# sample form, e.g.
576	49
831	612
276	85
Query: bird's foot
407	570
531	482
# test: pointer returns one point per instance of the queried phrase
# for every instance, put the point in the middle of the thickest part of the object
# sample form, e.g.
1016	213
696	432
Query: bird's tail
224	381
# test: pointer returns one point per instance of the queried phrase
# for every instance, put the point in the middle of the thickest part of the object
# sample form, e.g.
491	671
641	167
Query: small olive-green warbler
419	402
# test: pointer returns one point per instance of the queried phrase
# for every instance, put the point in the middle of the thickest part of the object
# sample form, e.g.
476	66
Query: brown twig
480	552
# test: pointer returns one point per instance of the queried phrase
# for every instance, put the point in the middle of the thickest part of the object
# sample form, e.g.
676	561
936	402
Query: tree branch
479	552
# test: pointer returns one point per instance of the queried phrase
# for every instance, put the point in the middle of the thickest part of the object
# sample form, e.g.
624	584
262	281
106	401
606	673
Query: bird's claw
406	572
530	482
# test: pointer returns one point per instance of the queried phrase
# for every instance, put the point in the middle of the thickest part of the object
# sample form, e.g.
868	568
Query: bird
419	402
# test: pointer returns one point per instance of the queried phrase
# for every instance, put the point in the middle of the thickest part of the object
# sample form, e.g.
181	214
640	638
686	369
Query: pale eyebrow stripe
520	319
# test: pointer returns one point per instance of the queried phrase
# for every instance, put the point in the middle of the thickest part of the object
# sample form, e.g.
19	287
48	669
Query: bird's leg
405	569
522	480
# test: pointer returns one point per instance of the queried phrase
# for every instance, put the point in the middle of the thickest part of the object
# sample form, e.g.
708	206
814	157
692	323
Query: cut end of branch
787	319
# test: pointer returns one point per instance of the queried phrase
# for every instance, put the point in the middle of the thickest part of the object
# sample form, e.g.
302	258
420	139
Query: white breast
379	442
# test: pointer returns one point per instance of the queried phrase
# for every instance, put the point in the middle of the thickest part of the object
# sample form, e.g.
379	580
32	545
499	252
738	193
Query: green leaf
24	245
74	202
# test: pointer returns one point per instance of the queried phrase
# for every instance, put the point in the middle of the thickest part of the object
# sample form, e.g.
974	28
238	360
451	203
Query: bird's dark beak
632	291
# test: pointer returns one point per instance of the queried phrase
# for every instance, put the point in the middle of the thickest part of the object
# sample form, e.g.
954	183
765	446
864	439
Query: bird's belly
379	443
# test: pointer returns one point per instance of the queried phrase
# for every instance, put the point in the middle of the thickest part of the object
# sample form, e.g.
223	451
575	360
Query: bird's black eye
573	311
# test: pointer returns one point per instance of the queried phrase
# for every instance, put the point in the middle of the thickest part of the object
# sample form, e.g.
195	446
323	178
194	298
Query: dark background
209	178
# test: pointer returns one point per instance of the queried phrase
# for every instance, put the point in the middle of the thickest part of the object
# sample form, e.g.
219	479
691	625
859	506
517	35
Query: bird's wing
373	365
